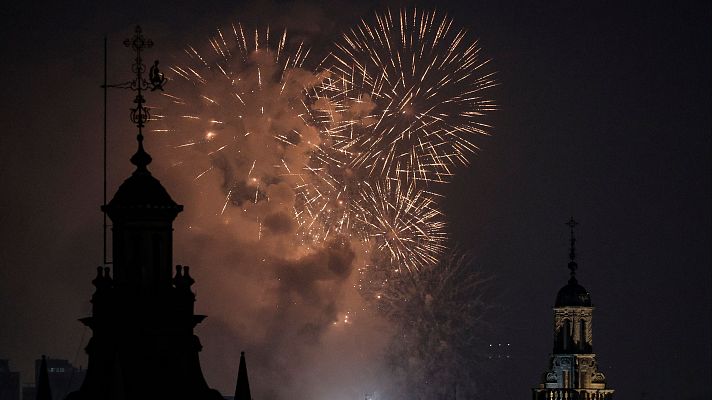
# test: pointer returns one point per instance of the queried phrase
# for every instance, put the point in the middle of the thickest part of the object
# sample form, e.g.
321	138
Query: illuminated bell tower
143	346
573	373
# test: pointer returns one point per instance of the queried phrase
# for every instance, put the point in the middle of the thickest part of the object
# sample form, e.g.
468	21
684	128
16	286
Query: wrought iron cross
140	113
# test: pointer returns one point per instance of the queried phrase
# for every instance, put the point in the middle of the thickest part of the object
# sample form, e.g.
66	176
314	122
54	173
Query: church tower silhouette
573	373
143	345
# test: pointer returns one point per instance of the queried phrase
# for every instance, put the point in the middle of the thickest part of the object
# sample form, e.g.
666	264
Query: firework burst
404	223
350	151
238	110
406	96
396	104
327	201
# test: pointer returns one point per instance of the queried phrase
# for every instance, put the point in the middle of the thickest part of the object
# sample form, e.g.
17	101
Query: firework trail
405	97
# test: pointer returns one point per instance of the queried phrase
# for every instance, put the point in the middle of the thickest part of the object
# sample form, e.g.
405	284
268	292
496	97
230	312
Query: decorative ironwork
140	114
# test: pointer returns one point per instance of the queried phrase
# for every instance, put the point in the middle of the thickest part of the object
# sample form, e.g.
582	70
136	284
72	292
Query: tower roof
141	190
573	294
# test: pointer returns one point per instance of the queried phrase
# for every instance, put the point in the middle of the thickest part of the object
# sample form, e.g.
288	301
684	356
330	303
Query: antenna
105	87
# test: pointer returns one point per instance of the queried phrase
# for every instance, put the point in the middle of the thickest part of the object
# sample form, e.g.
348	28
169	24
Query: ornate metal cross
140	113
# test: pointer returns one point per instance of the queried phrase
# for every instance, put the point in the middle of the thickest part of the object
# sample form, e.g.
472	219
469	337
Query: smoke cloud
233	136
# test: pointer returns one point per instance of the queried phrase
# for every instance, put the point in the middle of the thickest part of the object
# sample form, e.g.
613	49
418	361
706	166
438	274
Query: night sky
604	116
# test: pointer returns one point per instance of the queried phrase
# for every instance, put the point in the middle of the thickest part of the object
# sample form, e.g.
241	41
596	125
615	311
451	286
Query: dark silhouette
156	77
143	346
63	378
44	392
9	382
242	388
142	319
573	372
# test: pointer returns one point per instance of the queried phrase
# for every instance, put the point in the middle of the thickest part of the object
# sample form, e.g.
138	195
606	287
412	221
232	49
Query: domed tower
143	345
573	373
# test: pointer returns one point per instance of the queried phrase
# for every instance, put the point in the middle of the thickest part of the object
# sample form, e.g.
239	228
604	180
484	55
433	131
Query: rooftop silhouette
143	345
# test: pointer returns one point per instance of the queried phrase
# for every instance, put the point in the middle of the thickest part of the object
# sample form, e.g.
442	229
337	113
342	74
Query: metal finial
140	159
572	251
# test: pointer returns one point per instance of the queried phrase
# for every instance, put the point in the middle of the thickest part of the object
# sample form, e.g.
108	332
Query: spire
242	389
572	252
44	392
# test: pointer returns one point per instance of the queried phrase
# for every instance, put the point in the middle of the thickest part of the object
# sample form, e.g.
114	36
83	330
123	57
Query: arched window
567	334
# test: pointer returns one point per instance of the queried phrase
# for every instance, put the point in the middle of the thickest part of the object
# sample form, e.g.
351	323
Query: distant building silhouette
242	387
29	391
143	346
44	391
573	373
9	382
63	378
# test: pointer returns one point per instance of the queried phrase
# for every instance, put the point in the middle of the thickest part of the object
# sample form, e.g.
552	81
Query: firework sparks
397	104
328	201
238	110
353	150
407	94
404	223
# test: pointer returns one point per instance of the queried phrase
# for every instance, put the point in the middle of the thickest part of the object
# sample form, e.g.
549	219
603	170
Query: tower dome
142	195
573	295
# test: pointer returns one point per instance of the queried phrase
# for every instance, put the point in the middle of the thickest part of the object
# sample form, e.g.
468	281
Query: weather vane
156	80
140	113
